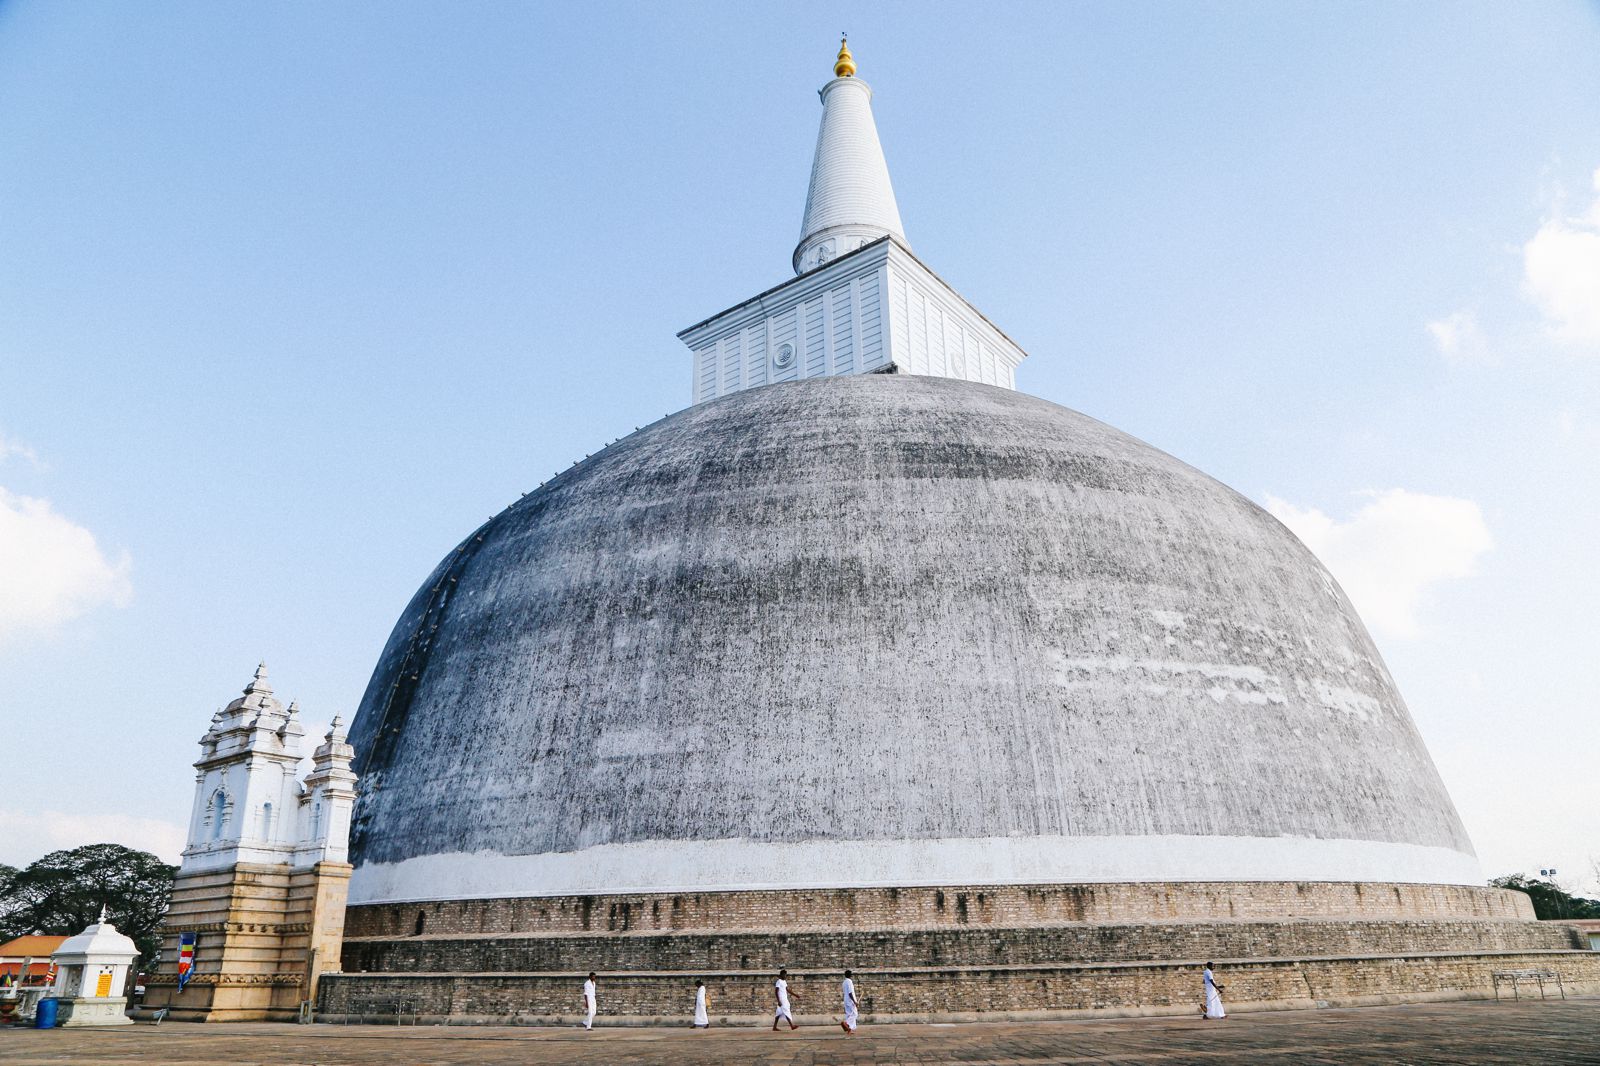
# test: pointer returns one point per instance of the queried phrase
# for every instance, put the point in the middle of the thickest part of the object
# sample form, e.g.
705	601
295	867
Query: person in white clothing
850	1008
588	1002
1213	1007
701	1021
780	992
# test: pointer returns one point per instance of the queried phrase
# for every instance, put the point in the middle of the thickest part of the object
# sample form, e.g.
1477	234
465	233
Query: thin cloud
1561	274
32	834
51	568
11	448
1459	338
1393	550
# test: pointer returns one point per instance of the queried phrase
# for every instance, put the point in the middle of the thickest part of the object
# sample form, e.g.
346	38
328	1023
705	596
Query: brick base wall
948	993
1010	906
944	952
988	946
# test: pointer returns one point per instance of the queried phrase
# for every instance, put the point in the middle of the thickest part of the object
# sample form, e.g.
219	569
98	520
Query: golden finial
845	65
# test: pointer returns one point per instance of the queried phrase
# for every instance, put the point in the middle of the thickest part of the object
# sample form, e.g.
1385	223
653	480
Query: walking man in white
701	1021
780	992
588	1001
850	1010
1213	1007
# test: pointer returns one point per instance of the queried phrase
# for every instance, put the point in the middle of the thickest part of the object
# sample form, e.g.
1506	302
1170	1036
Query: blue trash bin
45	1015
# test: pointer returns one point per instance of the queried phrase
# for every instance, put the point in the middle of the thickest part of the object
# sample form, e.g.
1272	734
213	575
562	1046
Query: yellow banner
102	987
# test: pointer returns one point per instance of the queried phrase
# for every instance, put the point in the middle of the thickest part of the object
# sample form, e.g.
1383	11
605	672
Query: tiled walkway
1474	1032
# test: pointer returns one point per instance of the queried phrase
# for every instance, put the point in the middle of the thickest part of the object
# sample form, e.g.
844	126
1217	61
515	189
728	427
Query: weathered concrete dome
885	630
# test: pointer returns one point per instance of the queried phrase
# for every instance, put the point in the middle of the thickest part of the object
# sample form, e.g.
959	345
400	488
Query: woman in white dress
1213	1007
700	1003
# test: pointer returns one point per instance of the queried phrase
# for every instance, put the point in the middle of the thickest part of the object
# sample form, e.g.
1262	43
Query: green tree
1550	901
6	874
63	892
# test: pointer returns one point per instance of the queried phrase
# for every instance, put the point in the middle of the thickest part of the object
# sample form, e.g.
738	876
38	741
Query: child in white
700	1019
780	992
1213	995
850	1009
588	1002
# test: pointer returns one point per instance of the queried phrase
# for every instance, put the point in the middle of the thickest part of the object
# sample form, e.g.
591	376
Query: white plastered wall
876	306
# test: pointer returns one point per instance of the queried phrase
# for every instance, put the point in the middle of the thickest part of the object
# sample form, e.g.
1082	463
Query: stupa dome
885	630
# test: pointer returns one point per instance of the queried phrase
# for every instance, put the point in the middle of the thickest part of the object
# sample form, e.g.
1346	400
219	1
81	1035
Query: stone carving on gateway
858	629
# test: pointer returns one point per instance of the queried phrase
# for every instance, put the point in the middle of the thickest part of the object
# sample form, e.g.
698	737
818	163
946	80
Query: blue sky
294	296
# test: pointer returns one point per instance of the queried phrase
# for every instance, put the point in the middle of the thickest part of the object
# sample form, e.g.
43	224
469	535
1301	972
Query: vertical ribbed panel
705	381
756	356
844	348
816	342
872	353
731	378
850	202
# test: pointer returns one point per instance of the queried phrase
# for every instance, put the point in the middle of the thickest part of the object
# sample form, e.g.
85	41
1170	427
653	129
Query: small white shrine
92	974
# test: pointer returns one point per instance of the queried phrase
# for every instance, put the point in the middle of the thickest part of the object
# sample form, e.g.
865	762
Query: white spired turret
851	202
259	898
249	805
861	303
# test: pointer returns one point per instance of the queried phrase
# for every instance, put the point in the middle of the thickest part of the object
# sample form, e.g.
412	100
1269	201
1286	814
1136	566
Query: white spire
851	202
851	309
259	683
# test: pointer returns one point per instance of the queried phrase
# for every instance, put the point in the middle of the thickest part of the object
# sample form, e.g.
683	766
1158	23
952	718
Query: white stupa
969	636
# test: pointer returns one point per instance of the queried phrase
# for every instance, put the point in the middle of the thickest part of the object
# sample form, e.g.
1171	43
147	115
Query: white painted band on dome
745	865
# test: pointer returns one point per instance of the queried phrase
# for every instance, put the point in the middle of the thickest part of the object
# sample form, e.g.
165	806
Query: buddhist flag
185	959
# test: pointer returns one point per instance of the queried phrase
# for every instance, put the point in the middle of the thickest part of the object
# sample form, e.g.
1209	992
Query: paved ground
1473	1032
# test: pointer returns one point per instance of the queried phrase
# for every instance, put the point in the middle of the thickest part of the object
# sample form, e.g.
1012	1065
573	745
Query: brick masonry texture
967	947
264	933
933	908
931	992
947	952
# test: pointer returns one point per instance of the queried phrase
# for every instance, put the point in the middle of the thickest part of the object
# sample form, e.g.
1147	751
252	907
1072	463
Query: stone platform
945	953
